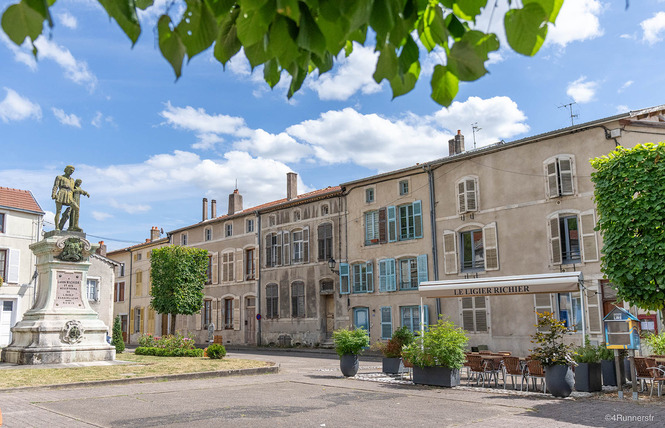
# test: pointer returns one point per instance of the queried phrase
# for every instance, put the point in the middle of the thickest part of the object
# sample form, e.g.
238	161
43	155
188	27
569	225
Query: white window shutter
593	309
236	313
589	241
383	276
542	302
14	264
566	175
238	263
98	287
286	249
461	197
552	180
555	240
305	244
215	268
449	251
467	313
392	277
491	247
471	203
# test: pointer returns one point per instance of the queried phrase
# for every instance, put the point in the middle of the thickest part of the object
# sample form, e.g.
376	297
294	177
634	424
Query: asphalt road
310	391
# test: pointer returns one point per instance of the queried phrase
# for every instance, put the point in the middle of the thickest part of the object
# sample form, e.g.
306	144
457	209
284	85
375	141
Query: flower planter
348	364
560	380
588	377
609	373
391	365
436	376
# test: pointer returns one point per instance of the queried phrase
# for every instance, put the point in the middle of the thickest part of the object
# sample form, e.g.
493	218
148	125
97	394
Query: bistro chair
658	378
534	372
477	368
405	368
513	367
643	367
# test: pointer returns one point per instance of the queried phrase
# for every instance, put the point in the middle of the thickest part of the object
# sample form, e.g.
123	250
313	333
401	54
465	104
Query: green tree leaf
468	9
124	13
253	24
198	27
526	28
444	85
289	8
271	73
170	44
387	65
551	7
227	43
25	19
432	28
310	36
144	4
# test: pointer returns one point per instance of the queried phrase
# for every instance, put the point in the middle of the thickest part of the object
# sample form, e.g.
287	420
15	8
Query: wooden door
123	327
250	321
330	315
165	324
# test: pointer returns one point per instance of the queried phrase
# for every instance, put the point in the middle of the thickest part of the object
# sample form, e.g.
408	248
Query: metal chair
477	368
405	368
644	375
513	367
534	372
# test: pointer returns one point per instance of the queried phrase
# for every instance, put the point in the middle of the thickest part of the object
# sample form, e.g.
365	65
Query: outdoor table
493	362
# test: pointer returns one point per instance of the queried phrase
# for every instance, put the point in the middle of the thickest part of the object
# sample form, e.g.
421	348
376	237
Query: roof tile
19	199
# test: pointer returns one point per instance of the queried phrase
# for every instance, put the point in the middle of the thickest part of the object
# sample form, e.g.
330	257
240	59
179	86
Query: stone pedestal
61	327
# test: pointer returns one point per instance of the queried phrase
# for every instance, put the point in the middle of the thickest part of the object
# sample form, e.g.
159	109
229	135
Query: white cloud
16	107
281	147
578	20
75	70
67	19
191	119
99	119
582	91
67	119
625	86
622	109
350	75
100	216
128	207
653	28
20	55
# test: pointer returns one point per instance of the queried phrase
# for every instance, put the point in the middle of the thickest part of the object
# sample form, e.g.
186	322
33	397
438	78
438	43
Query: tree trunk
173	324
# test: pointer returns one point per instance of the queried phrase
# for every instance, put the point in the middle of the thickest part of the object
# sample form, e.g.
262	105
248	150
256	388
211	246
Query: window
228	313
325	210
474	314
472	251
559	173
137	257
119	292
404	187
570	242
363	278
298	299
228	229
344	283
272	220
2	224
300	243
250	266
7	306
573	238
122	269
249	225
467	196
137	320
148	254
369	195
227	267
387	281
296	215
411	317
386	322
408	274
207	313
183	239
3	265
209	270
272	308
274	249
570	310
139	283
410	221
208	234
371	227
324	234
478	250
93	289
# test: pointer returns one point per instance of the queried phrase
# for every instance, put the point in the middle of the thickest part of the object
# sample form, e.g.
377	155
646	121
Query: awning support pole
583	311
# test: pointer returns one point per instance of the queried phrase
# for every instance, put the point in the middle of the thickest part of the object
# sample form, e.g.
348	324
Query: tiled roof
19	199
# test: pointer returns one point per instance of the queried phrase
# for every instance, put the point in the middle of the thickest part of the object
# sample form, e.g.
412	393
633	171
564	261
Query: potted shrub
588	371
656	343
348	344
438	355
608	367
392	350
553	354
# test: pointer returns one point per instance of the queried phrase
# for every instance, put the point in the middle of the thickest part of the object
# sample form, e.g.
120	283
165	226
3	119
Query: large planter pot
560	380
436	376
391	365
588	377
348	364
609	373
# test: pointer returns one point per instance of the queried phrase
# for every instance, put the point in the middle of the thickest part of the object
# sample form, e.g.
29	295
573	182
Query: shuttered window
491	246
227	267
371	228
3	265
467	195
472	251
363	277
207	313
559	175
344	280
209	270
474	314
595	323
450	252
250	264
410	221
387	277
386	322
272	301
542	303
573	238
228	313
410	317
298	299
589	241
325	242
408	274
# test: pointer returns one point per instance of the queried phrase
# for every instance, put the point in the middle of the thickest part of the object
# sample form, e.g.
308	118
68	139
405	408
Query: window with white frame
272	301
207	313
369	195
249	225
93	289
371	227
300	244
228	313
363	278
208	234
474	314
404	187
3	265
298	299
573	238
386	322
324	235
410	221
325	210
471	250
121	269
137	320
2	222
566	307
410	317
408	274
183	239
227	267
250	264
228	229
467	195
559	175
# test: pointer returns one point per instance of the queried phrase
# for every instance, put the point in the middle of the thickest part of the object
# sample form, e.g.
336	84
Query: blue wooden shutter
425	317
383	275
370	277
392	278
417	219
392	224
344	287
422	268
386	322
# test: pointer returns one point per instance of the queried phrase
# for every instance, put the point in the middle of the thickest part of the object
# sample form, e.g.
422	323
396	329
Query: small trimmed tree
116	340
629	195
178	275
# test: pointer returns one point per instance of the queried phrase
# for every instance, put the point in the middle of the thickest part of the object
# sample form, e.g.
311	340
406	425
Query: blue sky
148	148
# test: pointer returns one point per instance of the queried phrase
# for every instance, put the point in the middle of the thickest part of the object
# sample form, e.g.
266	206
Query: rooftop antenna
570	108
475	128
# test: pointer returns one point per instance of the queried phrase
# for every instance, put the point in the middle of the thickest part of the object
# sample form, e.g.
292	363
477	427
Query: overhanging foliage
305	37
630	198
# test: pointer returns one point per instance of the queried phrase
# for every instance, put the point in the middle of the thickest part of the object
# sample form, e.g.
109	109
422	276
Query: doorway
330	315
123	328
250	320
7	320
361	318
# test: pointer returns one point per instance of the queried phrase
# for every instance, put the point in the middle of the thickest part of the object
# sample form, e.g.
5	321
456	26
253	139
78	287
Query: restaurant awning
503	285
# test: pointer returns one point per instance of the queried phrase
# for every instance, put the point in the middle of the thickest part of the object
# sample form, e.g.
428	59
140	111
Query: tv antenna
570	109
475	128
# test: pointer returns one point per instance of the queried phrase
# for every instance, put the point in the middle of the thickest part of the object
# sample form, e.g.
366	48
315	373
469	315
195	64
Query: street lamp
331	265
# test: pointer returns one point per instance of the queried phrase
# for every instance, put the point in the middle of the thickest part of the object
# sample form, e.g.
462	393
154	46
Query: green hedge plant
393	348
587	353
163	352
350	342
442	345
216	351
656	342
116	339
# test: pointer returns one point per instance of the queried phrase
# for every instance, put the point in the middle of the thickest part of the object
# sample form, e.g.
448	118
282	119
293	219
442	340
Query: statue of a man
72	213
63	193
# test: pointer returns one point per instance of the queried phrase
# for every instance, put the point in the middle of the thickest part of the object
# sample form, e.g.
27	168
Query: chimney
291	185
102	249
154	233
235	202
213	209
205	209
456	145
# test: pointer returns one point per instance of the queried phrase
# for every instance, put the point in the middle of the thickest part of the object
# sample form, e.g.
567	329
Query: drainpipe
432	215
129	316
258	282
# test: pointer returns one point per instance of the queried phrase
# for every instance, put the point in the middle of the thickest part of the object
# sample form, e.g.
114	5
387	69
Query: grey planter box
436	376
588	377
391	365
610	374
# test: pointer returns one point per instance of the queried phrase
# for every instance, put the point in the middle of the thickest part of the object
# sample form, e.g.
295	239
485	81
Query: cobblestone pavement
310	391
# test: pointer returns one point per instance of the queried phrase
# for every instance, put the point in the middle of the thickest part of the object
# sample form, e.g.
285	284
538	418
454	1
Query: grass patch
142	365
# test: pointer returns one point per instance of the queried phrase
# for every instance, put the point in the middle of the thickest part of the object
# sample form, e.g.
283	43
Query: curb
148	379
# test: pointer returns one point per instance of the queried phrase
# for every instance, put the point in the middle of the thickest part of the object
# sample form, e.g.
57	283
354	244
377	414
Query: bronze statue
67	192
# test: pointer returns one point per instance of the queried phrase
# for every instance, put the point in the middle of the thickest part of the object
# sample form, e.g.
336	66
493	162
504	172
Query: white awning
503	285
